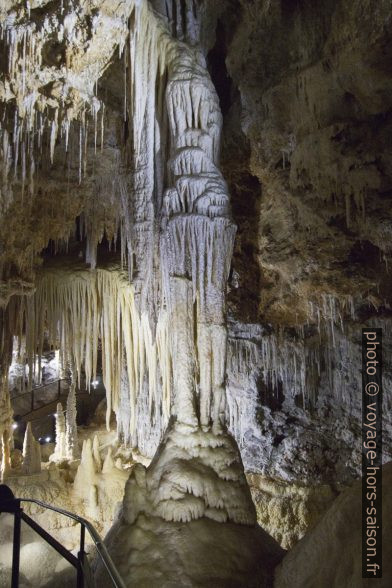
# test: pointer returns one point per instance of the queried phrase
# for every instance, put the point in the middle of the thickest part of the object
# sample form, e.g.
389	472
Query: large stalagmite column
197	471
31	452
192	504
197	243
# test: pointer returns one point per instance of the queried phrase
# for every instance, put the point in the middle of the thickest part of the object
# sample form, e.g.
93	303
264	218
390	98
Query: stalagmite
108	463
87	470
60	451
6	418
31	452
116	244
96	454
71	433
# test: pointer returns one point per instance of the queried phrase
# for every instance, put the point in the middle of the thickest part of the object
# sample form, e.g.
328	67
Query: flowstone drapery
77	309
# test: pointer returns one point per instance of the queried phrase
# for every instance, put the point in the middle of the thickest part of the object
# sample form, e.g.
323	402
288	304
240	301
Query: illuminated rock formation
60	451
71	429
197	473
31	452
5	425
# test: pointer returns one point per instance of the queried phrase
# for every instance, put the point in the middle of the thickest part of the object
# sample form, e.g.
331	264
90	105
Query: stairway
81	563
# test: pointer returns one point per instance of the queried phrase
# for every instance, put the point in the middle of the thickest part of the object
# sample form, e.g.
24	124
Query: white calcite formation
197	473
196	244
151	372
97	487
71	430
60	450
78	309
6	418
293	403
193	475
31	453
110	130
54	62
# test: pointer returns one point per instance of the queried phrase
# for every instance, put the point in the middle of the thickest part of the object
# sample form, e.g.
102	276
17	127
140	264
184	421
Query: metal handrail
8	503
34	388
100	546
33	391
55	381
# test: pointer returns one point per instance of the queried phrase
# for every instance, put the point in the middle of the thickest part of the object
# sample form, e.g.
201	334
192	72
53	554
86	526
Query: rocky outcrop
330	554
315	114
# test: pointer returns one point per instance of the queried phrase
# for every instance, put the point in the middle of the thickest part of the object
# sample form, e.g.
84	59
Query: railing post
32	399
16	548
59	389
81	554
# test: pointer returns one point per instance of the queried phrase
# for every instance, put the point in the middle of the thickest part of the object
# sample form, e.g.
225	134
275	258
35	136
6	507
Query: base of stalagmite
188	519
156	553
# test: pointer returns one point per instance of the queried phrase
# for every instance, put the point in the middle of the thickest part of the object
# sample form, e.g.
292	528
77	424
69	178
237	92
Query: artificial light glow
14	426
48	439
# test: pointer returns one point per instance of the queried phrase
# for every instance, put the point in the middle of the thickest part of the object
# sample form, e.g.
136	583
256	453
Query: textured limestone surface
330	554
92	487
188	519
227	555
287	511
305	94
314	113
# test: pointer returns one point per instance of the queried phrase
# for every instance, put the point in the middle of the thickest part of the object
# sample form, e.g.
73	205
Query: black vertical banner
371	453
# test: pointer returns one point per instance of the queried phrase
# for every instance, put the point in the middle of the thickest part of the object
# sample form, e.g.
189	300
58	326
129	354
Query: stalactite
79	310
298	368
46	105
197	471
197	241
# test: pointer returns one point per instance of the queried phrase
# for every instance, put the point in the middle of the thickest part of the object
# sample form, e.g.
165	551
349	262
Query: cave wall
305	94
